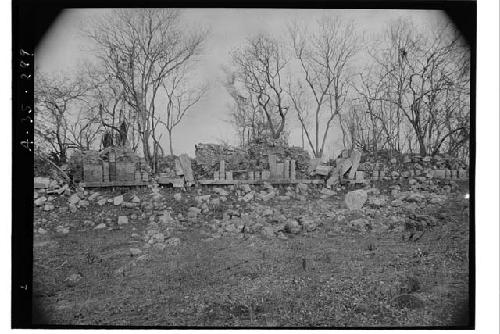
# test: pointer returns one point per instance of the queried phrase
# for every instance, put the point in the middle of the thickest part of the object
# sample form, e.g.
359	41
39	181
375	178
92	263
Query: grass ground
328	277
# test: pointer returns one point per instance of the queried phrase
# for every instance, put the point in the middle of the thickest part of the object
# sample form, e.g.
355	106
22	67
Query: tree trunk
170	142
317	133
423	150
145	146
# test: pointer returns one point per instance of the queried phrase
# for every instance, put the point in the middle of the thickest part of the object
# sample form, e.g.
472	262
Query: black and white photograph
251	168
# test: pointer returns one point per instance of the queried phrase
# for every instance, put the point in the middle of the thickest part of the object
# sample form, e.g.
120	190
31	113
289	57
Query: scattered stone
48	207
437	199
292	226
74	199
157	237
221	192
166	218
93	196
397	202
327	192
62	229
101	202
118	200
135	251
160	246
193	212
174	242
360	224
88	223
282	236
267	186
202	199
41	182
248	197
268	212
356	199
302	187
100	226
122	220
84	203
267	231
178	197
42	231
73	278
307	224
73	208
40	201
377	202
267	196
414	197
136	199
246	188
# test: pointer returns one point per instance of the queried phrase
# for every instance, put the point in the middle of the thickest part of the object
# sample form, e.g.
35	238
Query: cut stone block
313	164
332	181
186	166
286	171
360	176
272	165
322	170
41	182
222	170
279	170
439	173
462	174
355	158
292	170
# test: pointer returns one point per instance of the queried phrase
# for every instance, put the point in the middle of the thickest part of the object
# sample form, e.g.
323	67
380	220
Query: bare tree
324	57
55	98
421	70
181	97
140	48
84	131
106	98
247	116
259	68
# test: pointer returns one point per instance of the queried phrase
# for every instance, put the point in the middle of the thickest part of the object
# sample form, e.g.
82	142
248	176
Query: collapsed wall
251	158
109	165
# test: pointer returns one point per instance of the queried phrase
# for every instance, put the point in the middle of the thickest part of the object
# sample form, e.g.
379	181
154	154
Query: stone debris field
387	252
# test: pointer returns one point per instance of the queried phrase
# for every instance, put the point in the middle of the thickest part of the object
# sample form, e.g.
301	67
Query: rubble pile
166	165
208	157
261	152
411	164
254	157
380	166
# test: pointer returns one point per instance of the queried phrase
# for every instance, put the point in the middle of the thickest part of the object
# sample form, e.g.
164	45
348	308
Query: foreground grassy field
331	276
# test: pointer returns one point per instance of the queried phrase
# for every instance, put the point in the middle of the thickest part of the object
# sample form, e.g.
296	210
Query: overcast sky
64	48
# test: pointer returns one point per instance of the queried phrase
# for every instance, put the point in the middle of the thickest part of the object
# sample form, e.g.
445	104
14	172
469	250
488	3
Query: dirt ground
332	276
